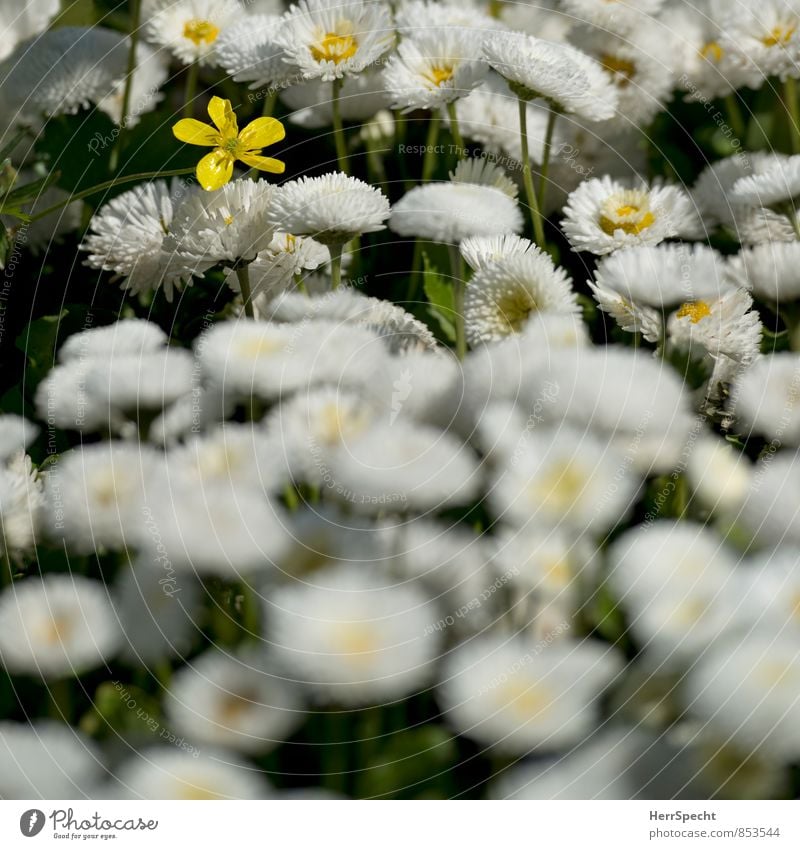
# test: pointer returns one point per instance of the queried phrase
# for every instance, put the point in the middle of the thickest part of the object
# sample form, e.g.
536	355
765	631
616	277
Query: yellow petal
195	132
222	115
215	170
261	132
263	163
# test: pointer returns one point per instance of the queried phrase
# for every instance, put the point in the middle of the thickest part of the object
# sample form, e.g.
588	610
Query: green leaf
22	195
439	293
5	245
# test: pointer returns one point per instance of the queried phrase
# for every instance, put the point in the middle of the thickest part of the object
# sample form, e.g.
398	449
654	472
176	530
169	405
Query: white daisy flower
96	494
481	251
62	71
24	22
727	328
189	29
603	215
518	696
404	466
16	434
770	511
223	226
253	357
773	583
222	700
56	627
21	500
274	269
766	398
450	212
774	182
232	454
171	773
564	76
504	295
125	337
47	759
481	171
63	401
352	639
330	39
763	37
639	63
129	237
434	67
618	16
332	209
306	429
160	612
771	271
425	387
246	49
628	399
544	19
215	530
719	474
747	689
665	275
564	477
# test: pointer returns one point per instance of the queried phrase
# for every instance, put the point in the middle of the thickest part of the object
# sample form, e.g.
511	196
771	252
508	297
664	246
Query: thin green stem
457	271
735	116
136	6
790	93
243	276
336	264
108	184
192	73
429	162
60	693
249	610
548	149
527	175
455	132
338	129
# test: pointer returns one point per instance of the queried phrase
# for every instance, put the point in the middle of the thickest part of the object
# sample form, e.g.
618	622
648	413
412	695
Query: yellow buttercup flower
216	168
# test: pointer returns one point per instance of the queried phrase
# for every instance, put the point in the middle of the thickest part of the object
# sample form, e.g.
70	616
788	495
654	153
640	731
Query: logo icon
31	822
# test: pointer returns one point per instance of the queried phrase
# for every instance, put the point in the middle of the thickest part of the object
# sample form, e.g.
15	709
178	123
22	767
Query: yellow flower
216	168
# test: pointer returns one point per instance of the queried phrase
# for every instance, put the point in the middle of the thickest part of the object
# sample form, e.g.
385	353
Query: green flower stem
548	150
192	73
429	162
735	116
136	6
336	264
243	276
60	695
117	181
455	132
790	94
457	271
249	610
338	129
527	176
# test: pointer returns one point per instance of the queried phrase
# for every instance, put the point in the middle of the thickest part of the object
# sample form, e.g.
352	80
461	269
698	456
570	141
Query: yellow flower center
558	572
356	640
334	48
712	51
234	705
56	630
622	69
261	346
513	310
560	487
200	32
439	74
695	311
525	699
779	35
228	220
629	213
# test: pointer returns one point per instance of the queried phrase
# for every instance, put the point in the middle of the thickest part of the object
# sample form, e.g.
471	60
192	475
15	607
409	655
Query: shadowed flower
216	168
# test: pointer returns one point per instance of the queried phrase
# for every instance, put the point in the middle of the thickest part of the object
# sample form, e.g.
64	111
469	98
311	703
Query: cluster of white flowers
545	505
